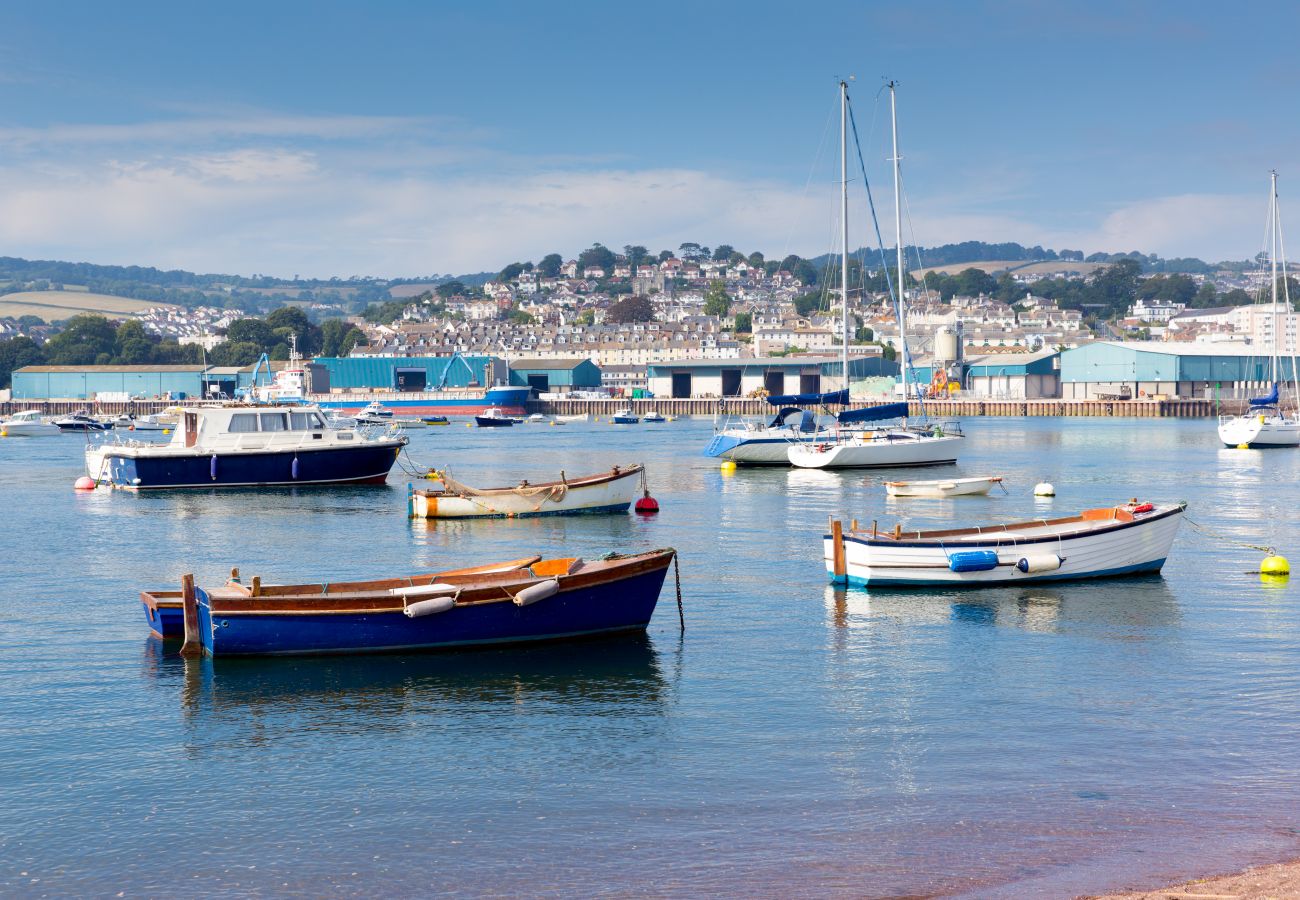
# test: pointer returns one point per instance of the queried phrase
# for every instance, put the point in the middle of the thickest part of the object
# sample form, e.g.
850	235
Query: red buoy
647	505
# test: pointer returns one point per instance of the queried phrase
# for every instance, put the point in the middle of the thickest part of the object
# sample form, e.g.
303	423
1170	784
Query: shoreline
1263	882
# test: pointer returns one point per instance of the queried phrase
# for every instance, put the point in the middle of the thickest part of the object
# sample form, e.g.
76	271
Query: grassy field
993	267
54	306
1018	266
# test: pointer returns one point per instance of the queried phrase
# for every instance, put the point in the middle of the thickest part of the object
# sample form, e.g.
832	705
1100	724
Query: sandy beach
1272	882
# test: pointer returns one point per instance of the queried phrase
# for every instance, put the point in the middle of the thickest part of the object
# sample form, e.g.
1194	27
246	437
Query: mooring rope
1211	533
677	576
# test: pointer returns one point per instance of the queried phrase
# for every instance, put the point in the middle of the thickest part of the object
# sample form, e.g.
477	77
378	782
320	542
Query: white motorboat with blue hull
1130	539
248	447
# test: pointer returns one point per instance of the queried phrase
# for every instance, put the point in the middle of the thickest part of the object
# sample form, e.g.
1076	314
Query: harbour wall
1178	408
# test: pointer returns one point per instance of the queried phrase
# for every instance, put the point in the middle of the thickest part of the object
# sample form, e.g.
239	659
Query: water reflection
1134	608
359	694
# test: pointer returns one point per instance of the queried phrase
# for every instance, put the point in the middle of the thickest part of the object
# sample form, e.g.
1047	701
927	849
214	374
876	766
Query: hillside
55	306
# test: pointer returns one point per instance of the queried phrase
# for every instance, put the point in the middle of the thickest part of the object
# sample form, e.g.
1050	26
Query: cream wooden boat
606	492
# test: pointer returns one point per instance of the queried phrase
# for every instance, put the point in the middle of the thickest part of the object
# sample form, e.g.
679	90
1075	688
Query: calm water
796	740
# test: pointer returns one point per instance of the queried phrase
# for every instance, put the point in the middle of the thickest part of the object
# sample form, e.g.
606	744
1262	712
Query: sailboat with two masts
895	446
1265	423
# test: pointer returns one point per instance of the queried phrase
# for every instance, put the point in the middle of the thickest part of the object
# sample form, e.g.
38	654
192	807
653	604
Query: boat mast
898	241
1272	259
844	227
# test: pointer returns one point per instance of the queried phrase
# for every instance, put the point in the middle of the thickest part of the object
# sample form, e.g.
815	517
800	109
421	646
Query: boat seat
549	568
1106	513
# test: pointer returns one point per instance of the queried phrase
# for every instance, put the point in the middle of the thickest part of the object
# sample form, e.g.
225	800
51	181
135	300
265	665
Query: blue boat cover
837	398
872	413
1270	400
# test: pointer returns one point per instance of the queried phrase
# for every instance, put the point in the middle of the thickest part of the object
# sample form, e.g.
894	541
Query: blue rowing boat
521	601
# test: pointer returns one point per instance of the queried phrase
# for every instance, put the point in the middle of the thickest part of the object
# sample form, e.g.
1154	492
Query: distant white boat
606	492
27	424
567	420
1266	423
536	418
951	487
653	417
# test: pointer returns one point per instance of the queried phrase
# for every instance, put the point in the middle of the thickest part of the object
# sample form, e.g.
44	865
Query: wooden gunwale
156	599
499	588
1122	519
570	483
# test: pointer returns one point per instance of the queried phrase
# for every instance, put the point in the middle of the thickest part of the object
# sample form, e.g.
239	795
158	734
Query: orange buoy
84	483
647	505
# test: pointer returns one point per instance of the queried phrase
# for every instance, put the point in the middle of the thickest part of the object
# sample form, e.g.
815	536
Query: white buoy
1044	489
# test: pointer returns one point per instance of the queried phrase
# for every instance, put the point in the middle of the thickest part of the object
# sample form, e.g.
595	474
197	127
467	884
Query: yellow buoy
167	431
1275	565
728	466
4	434
469	424
1243	446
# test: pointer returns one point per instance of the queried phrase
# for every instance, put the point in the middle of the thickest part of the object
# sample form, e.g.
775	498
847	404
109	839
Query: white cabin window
305	421
243	422
273	422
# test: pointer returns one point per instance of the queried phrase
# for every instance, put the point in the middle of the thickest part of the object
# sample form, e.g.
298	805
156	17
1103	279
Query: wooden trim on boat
992	533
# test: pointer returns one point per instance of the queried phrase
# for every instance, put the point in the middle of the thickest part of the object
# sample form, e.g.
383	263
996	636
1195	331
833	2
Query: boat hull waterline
1058	550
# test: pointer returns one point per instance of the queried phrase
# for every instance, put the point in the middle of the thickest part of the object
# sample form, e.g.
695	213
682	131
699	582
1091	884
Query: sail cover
1270	400
838	398
872	413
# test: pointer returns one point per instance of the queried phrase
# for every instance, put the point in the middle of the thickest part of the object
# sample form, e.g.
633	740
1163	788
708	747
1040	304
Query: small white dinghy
944	487
605	492
568	420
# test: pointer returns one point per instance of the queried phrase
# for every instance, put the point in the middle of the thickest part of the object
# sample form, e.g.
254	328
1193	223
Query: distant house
593	272
622	271
570	269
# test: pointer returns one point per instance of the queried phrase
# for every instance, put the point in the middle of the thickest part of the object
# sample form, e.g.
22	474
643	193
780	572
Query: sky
400	139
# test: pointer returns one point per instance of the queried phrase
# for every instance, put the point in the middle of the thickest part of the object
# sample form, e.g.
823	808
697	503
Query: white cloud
358	209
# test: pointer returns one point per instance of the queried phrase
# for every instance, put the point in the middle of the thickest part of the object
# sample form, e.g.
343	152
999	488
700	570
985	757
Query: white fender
539	591
1039	562
429	607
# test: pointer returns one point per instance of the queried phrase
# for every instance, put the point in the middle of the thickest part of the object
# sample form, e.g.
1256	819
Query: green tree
354	336
807	304
16	353
549	267
744	323
236	353
511	272
450	289
250	331
30	321
586	317
519	317
665	255
83	340
291	319
384	313
631	309
716	301
597	255
756	260
636	255
723	252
